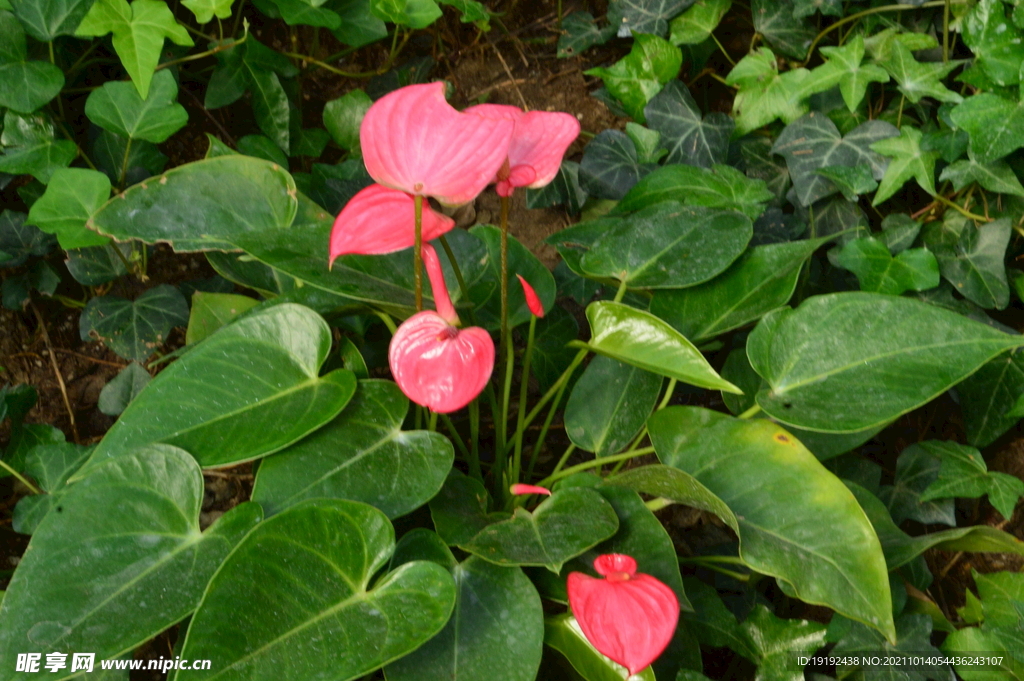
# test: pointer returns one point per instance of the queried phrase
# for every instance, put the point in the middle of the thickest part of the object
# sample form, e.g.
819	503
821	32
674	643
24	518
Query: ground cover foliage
799	235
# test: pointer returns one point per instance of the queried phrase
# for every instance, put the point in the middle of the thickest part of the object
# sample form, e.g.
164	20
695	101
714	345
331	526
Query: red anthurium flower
537	147
628	617
379	220
520	488
413	140
435	363
532	301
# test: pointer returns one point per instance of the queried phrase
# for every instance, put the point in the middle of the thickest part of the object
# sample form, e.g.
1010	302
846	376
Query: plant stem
524	383
722	48
562	381
201	55
962	211
668	394
417	252
728	560
632	445
565	457
539	444
750	412
506	393
899	116
19	476
463	289
455	436
860	15
945	32
388	321
621	292
432	422
504	273
587	465
474	441
124	165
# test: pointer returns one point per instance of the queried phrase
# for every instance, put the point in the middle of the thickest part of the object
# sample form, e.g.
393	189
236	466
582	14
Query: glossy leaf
671	483
564	190
115	155
695	25
342	628
139	31
202	205
97	265
761	280
908	160
689	137
17	290
640	75
713	623
563	633
551	354
610	166
995	125
122	389
997	43
609	404
459	510
72	196
50	465
211	311
134	329
497	634
24	85
20	241
776	640
781	27
144	549
342	117
44	20
204	10
914	353
856	76
971	258
359	26
823	546
721	187
916	468
362	455
265	397
117	107
30	148
641	339
580	32
631	17
411	13
913	640
988	396
669	245
813	142
963	473
564	525
914	269
996	176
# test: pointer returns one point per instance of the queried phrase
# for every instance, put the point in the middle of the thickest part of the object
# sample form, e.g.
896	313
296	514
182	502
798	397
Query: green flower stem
19	476
539	444
565	457
860	15
474	441
456	438
506	393
668	394
417	252
558	387
524	383
945	32
587	465
632	445
700	561
388	321
728	560
201	55
750	412
432	421
504	276
724	52
463	289
620	294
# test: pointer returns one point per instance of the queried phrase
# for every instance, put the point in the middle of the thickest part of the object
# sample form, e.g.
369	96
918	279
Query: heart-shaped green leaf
498	634
867	379
640	75
24	85
211	311
669	245
782	27
721	187
676	485
916	468
248	390
50	465
202	205
95	265
995	125
118	108
119	560
343	116
134	329
122	389
329	549
30	148
695	25
64	208
761	280
914	269
609	404
563	633
363	455
459	510
581	32
641	339
822	545
564	525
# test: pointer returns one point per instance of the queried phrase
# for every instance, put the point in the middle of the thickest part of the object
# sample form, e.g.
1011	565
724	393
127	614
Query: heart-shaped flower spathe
538	144
629	617
381	220
414	141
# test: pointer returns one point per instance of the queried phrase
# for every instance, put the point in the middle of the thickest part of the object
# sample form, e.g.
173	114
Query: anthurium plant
460	464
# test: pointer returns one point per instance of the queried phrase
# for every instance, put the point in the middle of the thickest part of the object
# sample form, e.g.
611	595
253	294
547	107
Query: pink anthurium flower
435	363
380	220
414	141
520	488
537	147
532	301
628	617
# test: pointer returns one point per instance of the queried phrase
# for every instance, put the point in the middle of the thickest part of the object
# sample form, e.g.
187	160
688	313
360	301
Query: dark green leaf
916	468
30	148
261	146
118	108
609	404
995	125
669	245
899	232
211	311
46	19
776	641
759	163
610	167
721	187
676	485
996	176
97	265
344	629
712	622
343	116
777	21
851	182
114	155
140	562
689	138
551	354
987	398
695	25
134	330
27	85
19	240
640	75
459	510
913	643
822	545
868	379
301	13
358	24
362	455
580	32
997	43
631	17
963	473
565	190
50	465
17	290
914	269
971	258
122	389
71	198
412	13
310	142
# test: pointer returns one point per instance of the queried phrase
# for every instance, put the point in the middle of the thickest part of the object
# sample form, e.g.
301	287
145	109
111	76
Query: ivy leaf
206	9
913	639
343	116
564	190
46	19
134	329
115	154
581	32
776	21
610	166
995	125
828	8
914	269
139	32
118	108
909	160
996	176
695	25
646	141
24	85
415	14
300	13
813	142
759	163
471	11
97	265
19	240
633	17
358	24
916	468
776	640
17	290
689	138
972	258
899	232
963	474
916	79
852	182
29	147
73	195
855	76
640	75
987	398
998	44
122	389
